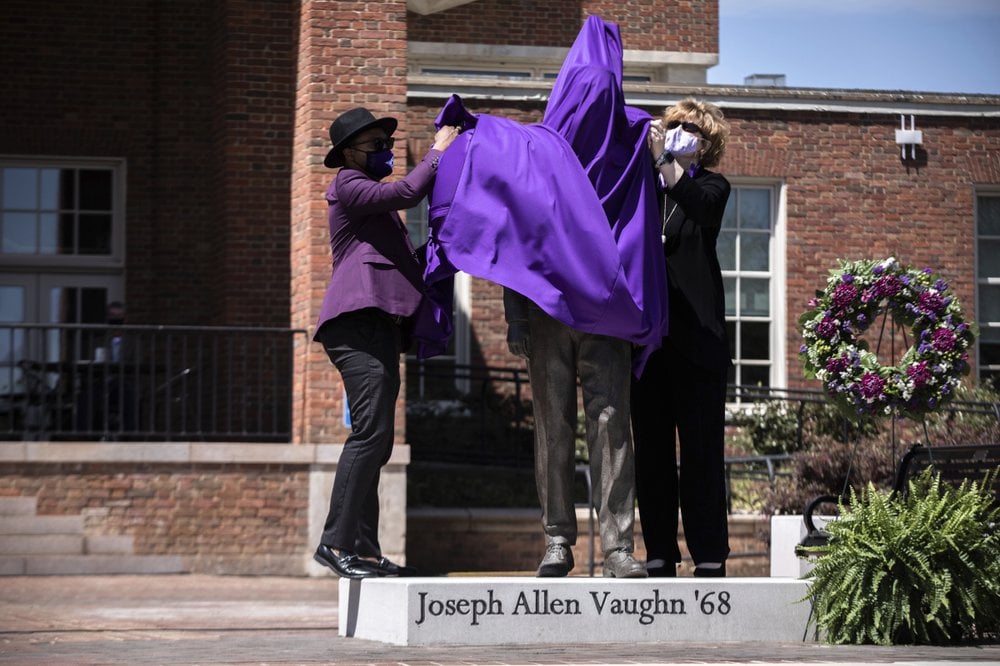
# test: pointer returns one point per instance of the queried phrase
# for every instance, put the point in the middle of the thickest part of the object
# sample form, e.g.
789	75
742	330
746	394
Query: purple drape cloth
563	212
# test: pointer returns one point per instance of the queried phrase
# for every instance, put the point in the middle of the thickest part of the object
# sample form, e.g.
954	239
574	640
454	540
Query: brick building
193	133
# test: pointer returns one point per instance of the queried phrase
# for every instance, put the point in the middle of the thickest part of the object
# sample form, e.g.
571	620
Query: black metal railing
148	383
477	415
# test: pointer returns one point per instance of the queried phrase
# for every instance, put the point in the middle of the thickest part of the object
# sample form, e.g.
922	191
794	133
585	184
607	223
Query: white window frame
777	245
110	262
980	282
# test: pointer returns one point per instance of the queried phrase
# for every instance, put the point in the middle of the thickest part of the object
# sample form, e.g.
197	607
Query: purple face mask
379	165
680	142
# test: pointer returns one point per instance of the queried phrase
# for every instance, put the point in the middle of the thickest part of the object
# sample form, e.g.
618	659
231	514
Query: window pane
11	341
11	303
731	334
755	375
20	188
20	233
988	214
989	346
755	298
729	216
989	354
48	237
729	284
755	209
95	190
63	305
989	302
754	340
95	234
67	189
725	247
93	305
49	199
754	251
67	234
989	258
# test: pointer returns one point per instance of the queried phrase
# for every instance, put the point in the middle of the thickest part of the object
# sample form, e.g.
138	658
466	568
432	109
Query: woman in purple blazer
375	288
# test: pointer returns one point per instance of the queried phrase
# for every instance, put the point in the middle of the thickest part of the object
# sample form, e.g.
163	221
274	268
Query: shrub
924	568
823	469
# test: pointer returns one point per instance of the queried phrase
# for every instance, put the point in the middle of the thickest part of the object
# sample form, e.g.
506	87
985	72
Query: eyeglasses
686	126
378	144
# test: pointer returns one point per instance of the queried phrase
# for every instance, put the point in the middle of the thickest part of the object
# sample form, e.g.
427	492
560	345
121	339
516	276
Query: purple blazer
374	261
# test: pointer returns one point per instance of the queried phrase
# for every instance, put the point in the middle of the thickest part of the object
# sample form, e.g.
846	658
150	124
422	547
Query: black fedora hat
348	125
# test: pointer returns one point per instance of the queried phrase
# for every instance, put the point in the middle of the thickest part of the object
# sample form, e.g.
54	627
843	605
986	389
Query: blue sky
918	45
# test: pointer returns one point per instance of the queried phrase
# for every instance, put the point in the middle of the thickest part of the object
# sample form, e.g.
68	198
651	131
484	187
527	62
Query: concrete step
82	565
42	544
18	506
109	545
490	611
23	524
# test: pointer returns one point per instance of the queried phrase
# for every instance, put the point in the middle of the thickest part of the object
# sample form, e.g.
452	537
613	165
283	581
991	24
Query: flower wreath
928	372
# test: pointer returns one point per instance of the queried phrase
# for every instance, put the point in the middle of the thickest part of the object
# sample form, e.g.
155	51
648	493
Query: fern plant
921	569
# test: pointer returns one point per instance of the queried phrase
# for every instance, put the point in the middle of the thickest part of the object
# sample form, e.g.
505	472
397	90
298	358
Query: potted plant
921	568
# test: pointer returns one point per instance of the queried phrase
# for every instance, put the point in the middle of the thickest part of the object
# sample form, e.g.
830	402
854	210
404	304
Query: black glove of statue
519	339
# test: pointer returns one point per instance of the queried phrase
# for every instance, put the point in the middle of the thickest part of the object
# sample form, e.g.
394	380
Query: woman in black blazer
682	392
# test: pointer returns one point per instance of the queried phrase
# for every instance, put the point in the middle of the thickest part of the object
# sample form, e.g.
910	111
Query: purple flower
929	303
872	385
943	340
919	373
803	349
941	285
812	302
878	270
844	295
847	277
837	365
927	271
886	286
826	329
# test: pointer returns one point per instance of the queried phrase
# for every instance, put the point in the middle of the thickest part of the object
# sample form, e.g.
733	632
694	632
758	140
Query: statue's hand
519	339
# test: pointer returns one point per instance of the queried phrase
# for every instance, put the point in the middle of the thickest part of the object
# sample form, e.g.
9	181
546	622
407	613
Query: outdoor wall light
908	137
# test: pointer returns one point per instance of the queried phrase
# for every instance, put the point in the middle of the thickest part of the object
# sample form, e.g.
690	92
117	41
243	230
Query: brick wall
350	54
221	518
195	96
690	26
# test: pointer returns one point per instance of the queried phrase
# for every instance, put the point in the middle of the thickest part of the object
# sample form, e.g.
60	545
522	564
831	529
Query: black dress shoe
386	567
346	565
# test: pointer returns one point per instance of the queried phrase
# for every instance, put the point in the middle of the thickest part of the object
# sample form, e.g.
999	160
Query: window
58	211
750	276
988	286
457	353
62	248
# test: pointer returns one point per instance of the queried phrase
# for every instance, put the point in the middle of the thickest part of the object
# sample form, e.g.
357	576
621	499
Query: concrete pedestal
489	611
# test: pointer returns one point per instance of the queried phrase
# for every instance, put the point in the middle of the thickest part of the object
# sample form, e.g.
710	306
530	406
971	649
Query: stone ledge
77	565
491	611
181	452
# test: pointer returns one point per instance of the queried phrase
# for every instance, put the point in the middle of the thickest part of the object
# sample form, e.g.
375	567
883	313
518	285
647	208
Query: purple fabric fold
563	212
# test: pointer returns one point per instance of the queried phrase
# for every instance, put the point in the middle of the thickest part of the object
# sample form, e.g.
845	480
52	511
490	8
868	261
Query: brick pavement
184	619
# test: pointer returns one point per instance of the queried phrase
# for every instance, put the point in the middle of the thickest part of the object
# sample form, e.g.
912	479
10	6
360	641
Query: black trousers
676	399
365	346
